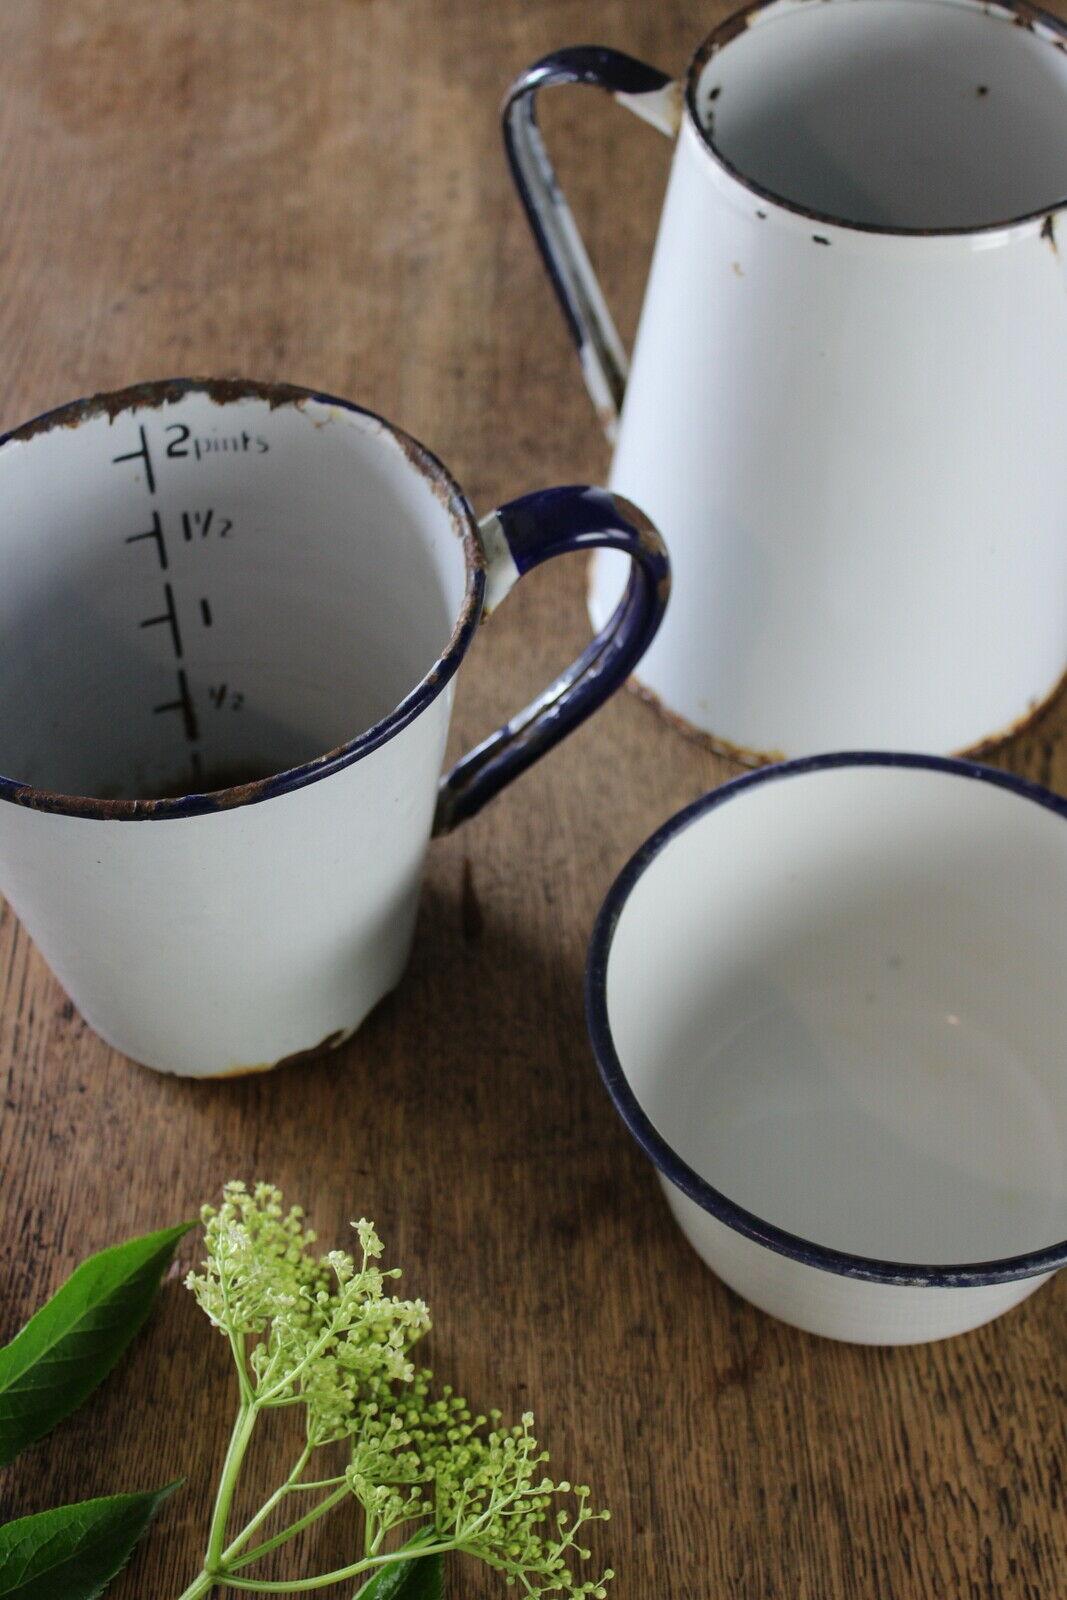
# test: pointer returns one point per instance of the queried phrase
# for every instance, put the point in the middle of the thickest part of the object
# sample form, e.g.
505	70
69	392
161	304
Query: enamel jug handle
651	95
516	538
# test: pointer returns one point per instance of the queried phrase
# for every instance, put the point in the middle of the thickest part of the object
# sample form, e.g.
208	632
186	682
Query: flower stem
423	1537
237	1347
290	1532
269	1396
291	1483
200	1586
239	1440
342	1574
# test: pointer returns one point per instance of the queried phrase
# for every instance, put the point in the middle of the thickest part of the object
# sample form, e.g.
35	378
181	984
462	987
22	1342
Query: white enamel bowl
828	1000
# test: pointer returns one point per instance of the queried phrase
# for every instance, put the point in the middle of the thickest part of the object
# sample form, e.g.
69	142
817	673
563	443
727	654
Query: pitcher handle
651	95
516	538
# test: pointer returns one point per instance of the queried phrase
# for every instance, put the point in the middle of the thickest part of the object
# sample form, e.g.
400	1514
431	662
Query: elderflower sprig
323	1332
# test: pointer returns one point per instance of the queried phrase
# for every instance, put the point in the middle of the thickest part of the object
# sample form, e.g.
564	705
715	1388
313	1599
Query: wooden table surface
316	192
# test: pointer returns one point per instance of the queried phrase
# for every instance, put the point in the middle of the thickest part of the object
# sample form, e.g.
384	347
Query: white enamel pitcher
847	408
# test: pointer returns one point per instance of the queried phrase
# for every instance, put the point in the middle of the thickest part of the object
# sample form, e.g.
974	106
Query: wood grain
316	192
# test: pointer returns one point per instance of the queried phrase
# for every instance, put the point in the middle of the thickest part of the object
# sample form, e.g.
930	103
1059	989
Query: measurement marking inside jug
184	704
196	527
170	616
136	455
154	532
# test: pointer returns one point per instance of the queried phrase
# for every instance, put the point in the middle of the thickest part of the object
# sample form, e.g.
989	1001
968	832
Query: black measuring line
142	454
171	616
154	532
184	704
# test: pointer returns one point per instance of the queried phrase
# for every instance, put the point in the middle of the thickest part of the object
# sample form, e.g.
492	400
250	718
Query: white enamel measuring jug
231	615
847	408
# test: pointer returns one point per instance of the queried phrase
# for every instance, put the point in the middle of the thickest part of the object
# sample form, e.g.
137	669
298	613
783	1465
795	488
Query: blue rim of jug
225	391
1017	13
656	1147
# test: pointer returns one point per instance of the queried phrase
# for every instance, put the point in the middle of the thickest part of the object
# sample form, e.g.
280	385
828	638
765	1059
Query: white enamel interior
893	113
325	585
839	997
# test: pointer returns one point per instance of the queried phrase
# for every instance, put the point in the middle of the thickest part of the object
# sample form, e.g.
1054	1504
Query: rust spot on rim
324	1046
1022	724
746	757
444	490
154	395
737	753
238	1072
730	29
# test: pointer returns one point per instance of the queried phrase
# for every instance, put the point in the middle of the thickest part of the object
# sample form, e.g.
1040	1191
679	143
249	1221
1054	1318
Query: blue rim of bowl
228	391
656	1147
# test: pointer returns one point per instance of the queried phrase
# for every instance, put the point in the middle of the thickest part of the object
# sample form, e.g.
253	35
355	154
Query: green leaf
72	1553
76	1338
406	1580
425	1579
